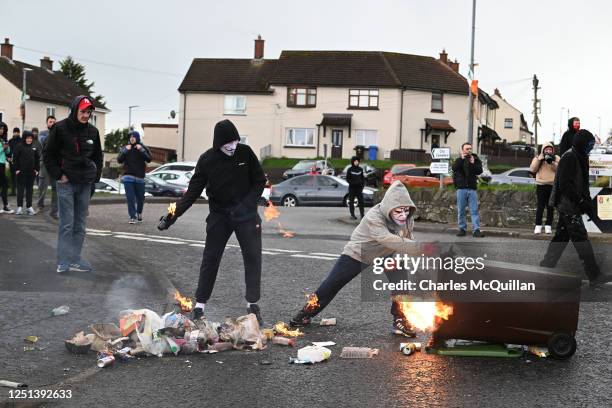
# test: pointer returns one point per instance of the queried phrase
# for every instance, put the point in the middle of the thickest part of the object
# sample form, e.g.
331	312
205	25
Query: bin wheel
561	346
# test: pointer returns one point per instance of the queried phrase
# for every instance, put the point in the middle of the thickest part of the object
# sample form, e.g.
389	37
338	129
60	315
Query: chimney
6	49
259	48
46	63
496	92
454	65
443	56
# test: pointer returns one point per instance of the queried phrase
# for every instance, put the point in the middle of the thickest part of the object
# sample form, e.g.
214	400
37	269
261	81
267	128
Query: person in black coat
134	156
466	170
573	126
14	143
26	160
234	181
356	178
572	198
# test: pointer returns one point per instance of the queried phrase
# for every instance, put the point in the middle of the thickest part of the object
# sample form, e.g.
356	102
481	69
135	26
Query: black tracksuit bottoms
24	183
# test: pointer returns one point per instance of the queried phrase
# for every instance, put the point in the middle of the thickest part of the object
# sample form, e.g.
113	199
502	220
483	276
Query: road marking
291	251
97	230
136	234
165	241
324	254
313	257
99	234
197	245
131	237
264	252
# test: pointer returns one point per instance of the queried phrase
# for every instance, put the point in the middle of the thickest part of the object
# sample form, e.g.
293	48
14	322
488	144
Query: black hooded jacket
14	143
26	159
567	138
355	175
465	174
572	179
134	161
233	183
74	149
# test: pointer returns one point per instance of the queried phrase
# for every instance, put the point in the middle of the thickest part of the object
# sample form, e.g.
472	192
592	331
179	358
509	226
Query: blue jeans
467	197
73	202
134	192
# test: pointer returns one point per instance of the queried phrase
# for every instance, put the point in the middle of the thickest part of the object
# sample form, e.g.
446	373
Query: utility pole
536	111
471	77
130	116
24	96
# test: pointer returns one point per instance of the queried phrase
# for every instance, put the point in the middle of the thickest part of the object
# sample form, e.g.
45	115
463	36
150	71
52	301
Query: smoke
126	293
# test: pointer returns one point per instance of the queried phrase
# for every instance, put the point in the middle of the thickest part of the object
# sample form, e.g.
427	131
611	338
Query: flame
312	303
185	303
172	209
285	233
282	329
425	316
271	212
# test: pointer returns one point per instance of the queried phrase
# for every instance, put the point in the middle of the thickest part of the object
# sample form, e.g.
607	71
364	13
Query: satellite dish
172	114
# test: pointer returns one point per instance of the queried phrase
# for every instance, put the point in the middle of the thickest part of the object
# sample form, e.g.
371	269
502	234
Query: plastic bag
243	332
148	332
313	354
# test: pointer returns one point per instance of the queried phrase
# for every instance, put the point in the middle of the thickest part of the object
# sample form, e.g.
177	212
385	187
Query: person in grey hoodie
385	229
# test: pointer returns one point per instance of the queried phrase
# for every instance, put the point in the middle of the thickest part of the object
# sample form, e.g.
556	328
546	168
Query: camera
549	158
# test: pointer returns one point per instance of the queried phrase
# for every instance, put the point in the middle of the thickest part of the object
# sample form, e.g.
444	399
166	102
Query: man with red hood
573	126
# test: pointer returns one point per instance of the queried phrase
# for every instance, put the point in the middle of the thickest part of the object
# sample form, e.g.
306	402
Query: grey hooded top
378	235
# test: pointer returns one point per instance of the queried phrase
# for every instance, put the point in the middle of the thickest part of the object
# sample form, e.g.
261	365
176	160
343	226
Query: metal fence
410	155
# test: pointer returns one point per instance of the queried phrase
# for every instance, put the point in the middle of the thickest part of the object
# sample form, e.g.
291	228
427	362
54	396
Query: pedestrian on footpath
356	179
544	167
73	157
14	143
387	228
27	164
134	156
44	179
573	126
572	198
466	170
234	181
5	152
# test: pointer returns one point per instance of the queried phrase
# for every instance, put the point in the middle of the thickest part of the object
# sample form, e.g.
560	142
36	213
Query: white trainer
31	211
538	229
548	229
19	211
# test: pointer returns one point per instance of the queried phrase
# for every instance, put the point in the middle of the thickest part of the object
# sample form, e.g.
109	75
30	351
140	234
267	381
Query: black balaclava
226	133
353	161
570	124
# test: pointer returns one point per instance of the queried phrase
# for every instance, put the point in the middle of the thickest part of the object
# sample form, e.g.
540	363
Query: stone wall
501	208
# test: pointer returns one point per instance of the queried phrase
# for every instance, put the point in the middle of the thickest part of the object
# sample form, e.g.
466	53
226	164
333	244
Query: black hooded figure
572	198
356	179
234	181
5	154
568	137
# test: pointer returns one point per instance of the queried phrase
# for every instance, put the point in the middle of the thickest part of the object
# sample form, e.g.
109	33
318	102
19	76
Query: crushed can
410	348
124	354
105	361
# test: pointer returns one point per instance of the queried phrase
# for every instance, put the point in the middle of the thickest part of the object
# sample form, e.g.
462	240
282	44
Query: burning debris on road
271	213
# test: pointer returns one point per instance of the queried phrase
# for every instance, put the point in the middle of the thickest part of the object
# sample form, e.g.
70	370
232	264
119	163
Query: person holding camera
466	170
544	168
134	156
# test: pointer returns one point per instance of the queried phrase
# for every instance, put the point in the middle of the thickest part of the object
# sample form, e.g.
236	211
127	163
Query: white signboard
440	153
438	168
600	164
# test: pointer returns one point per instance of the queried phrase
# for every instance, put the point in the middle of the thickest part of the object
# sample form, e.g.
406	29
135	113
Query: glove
586	206
165	222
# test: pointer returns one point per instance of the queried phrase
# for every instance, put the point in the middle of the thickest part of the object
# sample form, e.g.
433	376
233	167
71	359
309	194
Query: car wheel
289	201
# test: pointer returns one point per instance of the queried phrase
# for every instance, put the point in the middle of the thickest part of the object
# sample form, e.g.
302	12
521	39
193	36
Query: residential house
161	139
510	123
307	103
48	92
484	116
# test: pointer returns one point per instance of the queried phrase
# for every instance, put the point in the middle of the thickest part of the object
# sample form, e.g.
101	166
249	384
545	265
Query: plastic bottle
313	354
358	352
60	310
283	341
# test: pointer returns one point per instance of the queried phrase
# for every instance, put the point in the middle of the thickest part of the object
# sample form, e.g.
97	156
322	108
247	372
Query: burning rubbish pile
270	213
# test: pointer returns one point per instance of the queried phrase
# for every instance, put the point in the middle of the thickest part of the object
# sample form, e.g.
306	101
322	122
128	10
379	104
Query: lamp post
23	98
471	76
130	116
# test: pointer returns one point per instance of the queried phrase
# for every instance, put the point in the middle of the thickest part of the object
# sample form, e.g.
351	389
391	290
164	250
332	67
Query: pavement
137	266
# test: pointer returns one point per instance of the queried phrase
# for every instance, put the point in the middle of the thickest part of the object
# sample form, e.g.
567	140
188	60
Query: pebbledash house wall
268	117
507	111
9	105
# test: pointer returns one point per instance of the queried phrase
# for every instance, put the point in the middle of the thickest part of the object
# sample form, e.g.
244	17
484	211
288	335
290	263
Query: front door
336	144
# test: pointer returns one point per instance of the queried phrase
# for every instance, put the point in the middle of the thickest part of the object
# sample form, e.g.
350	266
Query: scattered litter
313	354
541	352
209	351
66	369
10	384
29	348
31	339
265	362
328	322
410	348
60	310
105	361
188	362
283	341
358	352
220	362
104	334
217	347
268	333
282	329
323	343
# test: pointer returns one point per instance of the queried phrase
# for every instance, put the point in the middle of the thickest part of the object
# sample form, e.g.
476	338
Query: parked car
395	169
306	166
521	147
370	173
421	177
263	200
315	190
176	177
158	187
519	175
106	185
177	166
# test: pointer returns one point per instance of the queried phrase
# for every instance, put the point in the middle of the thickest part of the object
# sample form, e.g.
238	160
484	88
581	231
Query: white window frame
508	121
364	137
295	135
364	98
50	111
244	139
93	119
232	105
303	97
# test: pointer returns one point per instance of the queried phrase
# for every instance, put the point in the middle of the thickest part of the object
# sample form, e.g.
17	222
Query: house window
437	102
50	111
93	119
244	139
302	97
366	137
234	105
508	123
299	137
363	98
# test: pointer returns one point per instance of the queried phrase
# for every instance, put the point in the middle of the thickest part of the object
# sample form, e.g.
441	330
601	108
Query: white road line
99	234
137	234
313	257
131	237
324	254
196	241
264	252
165	241
291	251
197	245
97	230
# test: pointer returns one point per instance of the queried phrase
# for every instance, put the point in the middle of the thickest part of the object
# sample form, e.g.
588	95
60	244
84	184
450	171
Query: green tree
114	140
76	72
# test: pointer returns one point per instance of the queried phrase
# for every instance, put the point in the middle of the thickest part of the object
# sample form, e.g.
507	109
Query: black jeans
355	191
571	228
13	179
218	230
3	185
24	182
543	193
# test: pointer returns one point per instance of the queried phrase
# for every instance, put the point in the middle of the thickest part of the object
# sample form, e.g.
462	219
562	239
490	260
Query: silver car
315	190
519	175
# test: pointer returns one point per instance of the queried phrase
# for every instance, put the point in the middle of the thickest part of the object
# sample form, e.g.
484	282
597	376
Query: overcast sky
566	43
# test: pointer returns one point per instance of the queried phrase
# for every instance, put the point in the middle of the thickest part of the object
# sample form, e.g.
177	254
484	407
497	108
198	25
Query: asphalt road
135	266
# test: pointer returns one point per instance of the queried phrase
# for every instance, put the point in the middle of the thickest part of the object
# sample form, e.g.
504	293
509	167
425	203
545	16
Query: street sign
600	165
438	168
440	153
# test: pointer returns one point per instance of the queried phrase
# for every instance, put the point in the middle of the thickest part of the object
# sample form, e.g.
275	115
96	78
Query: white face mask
229	148
400	215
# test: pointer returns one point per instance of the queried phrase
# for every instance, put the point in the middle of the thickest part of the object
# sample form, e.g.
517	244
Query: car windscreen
304	165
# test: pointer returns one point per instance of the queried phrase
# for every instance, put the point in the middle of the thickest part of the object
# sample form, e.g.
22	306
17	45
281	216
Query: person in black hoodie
14	144
26	160
356	179
73	156
573	126
466	170
134	156
572	198
5	154
234	181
